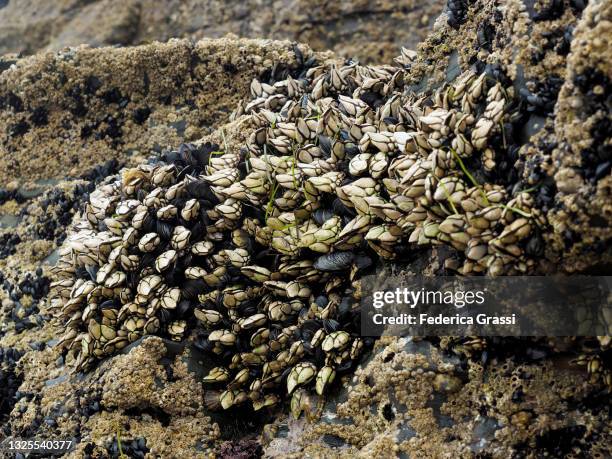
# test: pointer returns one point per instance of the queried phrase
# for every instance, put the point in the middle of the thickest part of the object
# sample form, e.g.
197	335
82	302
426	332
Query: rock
371	31
72	110
12	186
446	383
393	407
140	380
582	217
565	82
137	396
568	181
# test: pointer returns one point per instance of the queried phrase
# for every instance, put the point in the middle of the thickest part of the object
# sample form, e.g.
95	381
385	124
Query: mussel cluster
258	250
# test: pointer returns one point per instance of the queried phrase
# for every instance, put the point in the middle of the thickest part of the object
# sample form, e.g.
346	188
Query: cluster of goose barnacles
388	167
258	250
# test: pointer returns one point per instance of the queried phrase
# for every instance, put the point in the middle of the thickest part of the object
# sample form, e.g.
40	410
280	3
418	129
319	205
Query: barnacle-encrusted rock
248	208
511	396
341	163
340	160
142	369
139	395
554	54
581	163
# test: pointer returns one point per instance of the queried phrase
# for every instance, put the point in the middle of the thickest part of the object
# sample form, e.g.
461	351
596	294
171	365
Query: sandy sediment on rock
63	113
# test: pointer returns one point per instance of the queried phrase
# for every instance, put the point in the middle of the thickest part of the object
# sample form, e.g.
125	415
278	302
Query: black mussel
185	153
578	5
164	229
132	280
331	325
345	306
335	261
325	145
234	274
275	331
202	343
363	261
319	356
141	194
82	273
198	230
308	348
164	316
212	400
311	325
340	209
179	203
321	301
192	288
351	150
344	367
248	308
92	271
535	245
184	308
371	98
184	262
201	190
171	275
299	56
322	215
456	11
554	10
251	211
149	221
146	259
108	304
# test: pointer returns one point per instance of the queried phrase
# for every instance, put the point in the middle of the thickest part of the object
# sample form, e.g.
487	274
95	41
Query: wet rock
446	383
580	159
10	380
142	368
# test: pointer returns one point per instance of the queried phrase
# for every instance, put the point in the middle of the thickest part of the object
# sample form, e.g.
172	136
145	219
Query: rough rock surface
582	160
409	399
369	30
63	113
146	393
